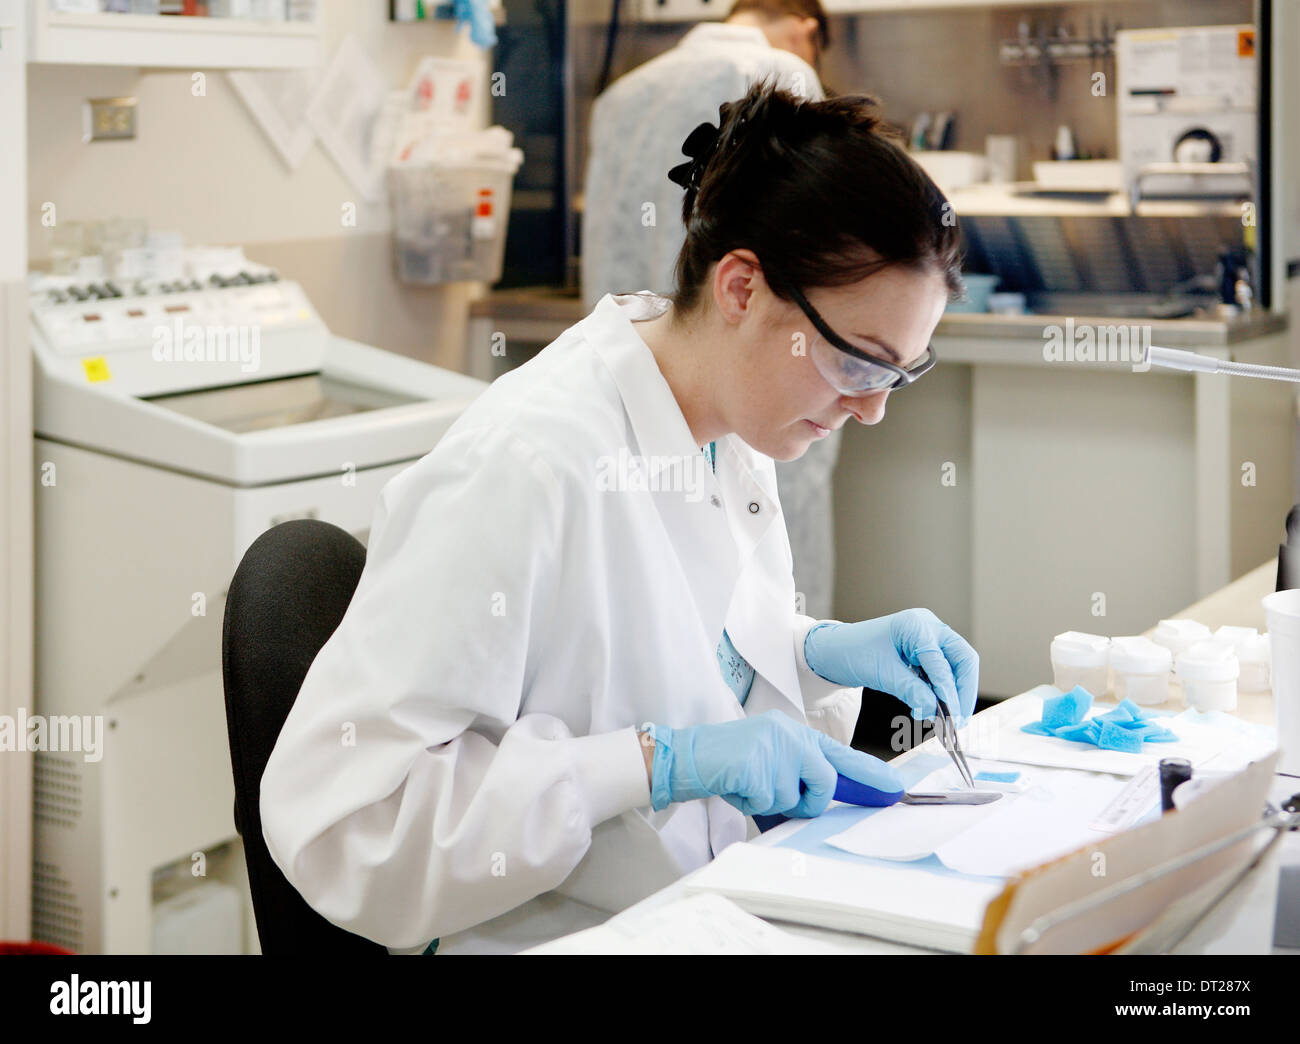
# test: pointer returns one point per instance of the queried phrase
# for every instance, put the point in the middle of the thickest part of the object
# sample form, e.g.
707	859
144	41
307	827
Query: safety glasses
850	370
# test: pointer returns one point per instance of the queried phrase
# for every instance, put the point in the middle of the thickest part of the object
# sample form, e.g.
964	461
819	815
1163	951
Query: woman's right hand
764	765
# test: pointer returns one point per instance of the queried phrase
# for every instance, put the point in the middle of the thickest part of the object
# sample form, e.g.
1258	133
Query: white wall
15	487
200	165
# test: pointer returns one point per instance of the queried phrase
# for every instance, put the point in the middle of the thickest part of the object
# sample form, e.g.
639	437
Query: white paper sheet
697	924
346	115
1053	815
279	101
905	905
907	832
447	91
1045	822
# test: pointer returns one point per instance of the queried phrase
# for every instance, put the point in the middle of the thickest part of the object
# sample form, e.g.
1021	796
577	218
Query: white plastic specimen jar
1080	659
1177	635
1209	672
1141	669
1253	654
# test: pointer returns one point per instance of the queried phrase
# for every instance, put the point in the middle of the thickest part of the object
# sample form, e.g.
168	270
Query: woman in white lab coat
574	665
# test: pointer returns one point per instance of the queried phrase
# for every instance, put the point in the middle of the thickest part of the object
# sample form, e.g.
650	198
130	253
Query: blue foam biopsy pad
1113	737
1069	708
1125	727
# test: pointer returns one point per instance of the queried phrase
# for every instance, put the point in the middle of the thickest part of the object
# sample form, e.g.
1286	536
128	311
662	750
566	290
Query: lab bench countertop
564	308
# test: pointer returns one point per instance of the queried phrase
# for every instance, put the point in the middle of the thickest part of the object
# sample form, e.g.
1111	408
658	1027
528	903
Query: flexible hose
1272	373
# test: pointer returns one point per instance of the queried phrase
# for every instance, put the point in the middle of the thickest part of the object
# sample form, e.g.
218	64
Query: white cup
1282	608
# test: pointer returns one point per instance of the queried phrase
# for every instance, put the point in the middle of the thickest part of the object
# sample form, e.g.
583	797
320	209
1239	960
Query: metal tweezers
948	737
947	732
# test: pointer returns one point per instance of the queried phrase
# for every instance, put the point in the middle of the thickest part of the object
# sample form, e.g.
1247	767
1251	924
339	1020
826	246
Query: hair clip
699	145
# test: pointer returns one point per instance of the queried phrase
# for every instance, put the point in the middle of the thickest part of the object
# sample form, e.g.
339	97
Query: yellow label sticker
96	369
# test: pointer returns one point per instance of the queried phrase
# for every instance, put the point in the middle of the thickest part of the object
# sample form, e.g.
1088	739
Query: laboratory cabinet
73	37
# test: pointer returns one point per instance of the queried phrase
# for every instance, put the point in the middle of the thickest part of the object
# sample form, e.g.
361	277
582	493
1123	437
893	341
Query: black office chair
1288	554
287	597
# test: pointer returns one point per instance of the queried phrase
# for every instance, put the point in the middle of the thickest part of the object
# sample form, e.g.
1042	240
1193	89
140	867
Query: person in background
631	226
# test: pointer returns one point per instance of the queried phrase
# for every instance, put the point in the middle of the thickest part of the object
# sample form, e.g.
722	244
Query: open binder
1147	889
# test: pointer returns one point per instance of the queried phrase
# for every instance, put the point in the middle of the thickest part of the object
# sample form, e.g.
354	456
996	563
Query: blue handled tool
852	792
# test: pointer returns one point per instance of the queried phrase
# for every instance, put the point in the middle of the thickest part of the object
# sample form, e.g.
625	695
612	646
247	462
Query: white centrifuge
175	422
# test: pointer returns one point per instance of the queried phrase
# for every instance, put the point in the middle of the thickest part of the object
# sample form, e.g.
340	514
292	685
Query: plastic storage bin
450	216
1141	670
1080	659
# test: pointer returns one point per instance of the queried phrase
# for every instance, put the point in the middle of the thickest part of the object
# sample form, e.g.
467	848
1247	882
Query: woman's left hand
881	653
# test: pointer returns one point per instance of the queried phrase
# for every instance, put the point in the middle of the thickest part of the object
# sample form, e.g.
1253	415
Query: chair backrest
1288	554
287	597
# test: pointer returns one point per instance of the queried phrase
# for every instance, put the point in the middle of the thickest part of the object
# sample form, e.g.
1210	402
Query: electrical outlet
108	119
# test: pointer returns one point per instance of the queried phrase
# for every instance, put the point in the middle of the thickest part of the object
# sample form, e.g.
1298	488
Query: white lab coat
638	125
461	761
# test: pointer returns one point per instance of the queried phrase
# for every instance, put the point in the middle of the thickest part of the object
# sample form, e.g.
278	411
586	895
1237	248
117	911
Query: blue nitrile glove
881	653
479	16
762	765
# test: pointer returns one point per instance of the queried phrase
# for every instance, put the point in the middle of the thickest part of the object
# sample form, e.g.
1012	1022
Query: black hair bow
699	145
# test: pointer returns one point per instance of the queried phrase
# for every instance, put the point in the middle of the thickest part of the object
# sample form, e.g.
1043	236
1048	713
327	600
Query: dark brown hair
822	192
774	9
